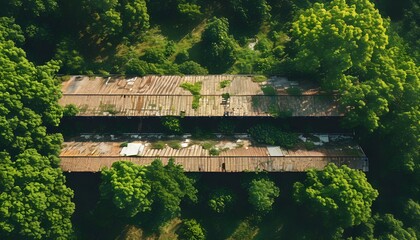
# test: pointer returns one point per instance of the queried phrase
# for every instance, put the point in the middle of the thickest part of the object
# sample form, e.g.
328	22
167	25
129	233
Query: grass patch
158	145
225	83
64	78
214	152
259	78
83	108
174	144
269	90
208	145
194	89
110	108
245	231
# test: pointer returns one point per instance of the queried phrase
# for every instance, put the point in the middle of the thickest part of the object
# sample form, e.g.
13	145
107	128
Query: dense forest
366	51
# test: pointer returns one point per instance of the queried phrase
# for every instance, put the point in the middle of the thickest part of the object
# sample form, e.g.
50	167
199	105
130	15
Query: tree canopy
345	44
126	185
262	194
218	46
340	195
169	187
34	200
28	100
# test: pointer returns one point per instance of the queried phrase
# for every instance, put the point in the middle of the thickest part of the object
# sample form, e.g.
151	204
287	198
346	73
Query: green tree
28	102
221	200
70	110
191	230
135	17
217	46
170	186
125	184
34	200
262	194
345	44
387	227
340	195
250	13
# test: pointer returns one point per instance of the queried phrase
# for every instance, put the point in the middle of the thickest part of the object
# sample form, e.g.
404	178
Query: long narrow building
219	96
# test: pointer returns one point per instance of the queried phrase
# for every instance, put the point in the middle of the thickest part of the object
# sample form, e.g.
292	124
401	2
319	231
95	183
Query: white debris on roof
324	138
275	151
132	149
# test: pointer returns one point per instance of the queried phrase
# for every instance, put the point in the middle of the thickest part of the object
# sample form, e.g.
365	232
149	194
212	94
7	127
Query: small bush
124	144
194	89
172	124
225	83
191	230
70	110
269	90
208	145
225	96
174	144
196	102
294	91
259	78
214	152
192	68
158	145
221	200
110	108
269	134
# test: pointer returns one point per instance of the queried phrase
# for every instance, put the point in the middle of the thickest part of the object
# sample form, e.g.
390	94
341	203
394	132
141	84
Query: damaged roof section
220	95
90	153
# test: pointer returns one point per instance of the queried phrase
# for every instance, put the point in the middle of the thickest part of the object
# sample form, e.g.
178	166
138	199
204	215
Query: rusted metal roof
91	153
162	96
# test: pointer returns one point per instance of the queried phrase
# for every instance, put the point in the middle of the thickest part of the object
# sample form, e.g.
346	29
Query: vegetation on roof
366	51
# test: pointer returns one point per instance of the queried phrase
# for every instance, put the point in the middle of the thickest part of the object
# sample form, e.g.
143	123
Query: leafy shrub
208	145
124	144
269	134
154	55
196	101
262	194
191	230
264	45
183	57
214	152
191	67
70	110
107	107
158	145
269	90
194	89
225	96
172	124
225	83
221	200
174	144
